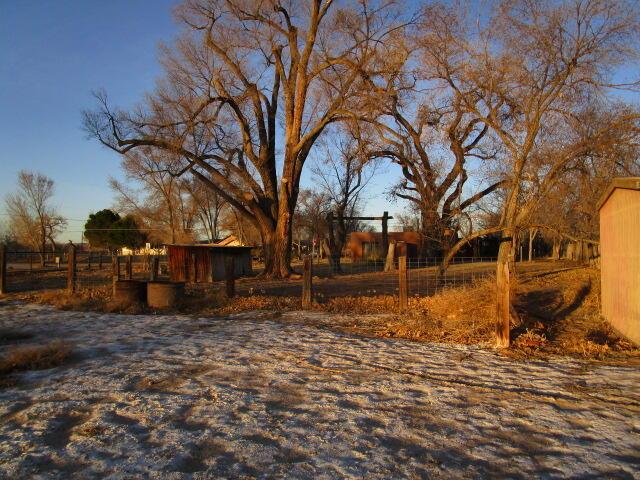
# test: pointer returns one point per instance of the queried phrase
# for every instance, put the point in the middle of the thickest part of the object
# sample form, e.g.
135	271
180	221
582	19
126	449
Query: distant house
620	256
146	250
368	245
230	241
205	263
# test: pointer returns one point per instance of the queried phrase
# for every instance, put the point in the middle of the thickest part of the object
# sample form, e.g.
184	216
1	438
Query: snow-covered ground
246	396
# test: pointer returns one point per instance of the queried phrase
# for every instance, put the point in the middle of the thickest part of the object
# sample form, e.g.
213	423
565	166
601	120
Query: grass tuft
34	357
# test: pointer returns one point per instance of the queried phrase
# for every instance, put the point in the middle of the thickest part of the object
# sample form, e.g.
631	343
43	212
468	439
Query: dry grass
460	315
600	342
558	313
258	302
34	357
94	299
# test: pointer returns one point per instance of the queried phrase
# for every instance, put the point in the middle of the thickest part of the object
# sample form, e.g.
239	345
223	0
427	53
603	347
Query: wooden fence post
129	267
115	270
3	269
385	233
71	268
307	275
403	287
230	276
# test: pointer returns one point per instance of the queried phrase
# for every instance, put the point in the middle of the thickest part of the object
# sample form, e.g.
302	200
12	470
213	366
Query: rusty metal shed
619	210
206	262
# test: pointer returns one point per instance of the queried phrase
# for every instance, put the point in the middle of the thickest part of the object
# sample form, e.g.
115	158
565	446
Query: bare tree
33	220
208	205
569	214
155	195
529	73
239	68
433	143
342	174
409	219
311	216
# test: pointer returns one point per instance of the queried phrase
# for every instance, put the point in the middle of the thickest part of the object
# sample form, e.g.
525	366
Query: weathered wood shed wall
206	263
620	256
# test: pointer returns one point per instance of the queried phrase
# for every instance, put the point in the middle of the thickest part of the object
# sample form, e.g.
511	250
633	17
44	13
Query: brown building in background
368	245
620	256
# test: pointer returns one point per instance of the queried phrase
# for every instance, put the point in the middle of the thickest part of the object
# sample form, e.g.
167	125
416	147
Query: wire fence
31	271
369	278
28	271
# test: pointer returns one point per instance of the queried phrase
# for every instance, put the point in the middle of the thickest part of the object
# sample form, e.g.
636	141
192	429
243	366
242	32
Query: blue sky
53	54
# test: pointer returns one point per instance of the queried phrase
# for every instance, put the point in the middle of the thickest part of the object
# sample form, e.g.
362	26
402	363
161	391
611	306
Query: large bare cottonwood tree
249	88
435	140
529	73
434	145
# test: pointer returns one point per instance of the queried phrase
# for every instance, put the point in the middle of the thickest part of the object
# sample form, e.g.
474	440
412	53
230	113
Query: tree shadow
546	309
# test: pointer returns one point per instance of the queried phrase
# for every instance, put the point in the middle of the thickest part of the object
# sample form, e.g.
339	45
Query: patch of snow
246	396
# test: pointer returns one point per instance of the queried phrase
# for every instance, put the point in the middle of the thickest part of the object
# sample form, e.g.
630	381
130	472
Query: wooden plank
307	275
403	283
230	275
154	271
71	268
185	260
3	269
194	267
620	262
129	267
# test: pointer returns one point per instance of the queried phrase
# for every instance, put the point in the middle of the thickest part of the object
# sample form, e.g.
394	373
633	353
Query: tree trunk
389	264
519	247
43	248
532	236
432	232
337	238
556	249
503	290
277	245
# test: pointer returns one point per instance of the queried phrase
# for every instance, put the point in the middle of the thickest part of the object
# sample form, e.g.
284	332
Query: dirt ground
244	396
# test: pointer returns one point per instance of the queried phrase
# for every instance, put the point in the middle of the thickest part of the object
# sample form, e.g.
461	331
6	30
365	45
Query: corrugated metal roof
207	245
